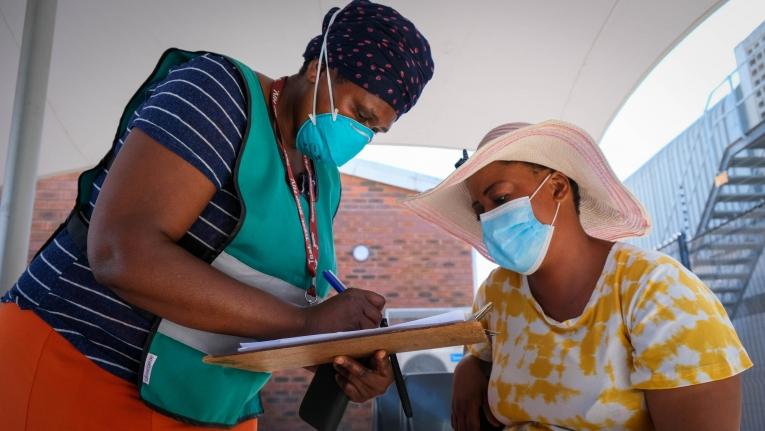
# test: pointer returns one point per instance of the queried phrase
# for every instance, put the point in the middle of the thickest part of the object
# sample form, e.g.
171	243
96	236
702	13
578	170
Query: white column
24	144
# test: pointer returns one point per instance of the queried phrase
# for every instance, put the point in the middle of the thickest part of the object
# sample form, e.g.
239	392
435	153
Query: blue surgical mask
514	237
330	137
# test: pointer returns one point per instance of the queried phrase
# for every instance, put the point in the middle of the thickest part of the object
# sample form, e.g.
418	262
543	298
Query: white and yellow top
649	324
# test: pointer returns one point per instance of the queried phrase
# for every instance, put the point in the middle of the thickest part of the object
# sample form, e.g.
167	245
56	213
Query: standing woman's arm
148	201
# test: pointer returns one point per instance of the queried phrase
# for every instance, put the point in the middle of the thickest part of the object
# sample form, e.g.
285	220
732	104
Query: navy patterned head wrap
376	48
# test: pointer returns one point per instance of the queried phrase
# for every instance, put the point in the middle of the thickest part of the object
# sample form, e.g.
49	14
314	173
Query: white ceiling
496	60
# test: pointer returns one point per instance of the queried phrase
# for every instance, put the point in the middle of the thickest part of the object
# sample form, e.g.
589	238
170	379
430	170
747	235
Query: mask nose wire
323	55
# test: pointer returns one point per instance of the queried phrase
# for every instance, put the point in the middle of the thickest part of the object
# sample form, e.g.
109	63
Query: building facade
380	246
708	185
750	56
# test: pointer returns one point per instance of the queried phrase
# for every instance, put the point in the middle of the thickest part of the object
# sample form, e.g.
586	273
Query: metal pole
24	144
682	244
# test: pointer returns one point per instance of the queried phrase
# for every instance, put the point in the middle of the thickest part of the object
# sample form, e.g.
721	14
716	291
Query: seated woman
589	333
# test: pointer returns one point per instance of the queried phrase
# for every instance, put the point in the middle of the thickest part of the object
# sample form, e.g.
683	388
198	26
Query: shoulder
501	285
237	68
208	81
653	282
209	67
197	110
633	265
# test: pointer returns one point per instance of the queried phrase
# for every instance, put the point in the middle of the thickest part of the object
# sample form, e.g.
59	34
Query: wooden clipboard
403	340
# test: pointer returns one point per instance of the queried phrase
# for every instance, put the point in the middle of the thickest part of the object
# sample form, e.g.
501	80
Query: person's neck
288	111
565	282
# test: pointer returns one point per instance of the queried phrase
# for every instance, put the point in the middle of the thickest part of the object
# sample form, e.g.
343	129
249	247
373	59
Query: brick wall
411	263
54	200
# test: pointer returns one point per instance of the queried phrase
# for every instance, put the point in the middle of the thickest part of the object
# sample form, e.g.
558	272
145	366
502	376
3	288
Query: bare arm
149	200
470	394
708	406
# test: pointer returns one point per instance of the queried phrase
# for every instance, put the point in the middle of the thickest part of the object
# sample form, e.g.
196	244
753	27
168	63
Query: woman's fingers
354	373
351	391
362	381
373	316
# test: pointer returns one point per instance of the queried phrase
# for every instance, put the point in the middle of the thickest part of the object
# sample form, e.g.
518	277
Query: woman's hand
361	383
469	395
353	309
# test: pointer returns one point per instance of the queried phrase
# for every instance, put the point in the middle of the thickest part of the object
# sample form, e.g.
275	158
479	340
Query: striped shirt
198	111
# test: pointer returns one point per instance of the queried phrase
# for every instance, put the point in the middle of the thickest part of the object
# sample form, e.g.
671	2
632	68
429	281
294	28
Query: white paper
440	319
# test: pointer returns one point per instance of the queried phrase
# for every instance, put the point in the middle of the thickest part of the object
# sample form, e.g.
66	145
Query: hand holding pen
357	309
347	368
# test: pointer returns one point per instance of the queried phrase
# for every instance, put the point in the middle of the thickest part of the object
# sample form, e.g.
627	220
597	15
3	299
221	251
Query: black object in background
324	402
403	394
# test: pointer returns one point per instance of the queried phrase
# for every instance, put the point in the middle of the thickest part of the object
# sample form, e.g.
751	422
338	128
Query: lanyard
310	231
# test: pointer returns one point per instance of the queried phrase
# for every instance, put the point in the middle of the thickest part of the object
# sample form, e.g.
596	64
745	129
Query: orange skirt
46	384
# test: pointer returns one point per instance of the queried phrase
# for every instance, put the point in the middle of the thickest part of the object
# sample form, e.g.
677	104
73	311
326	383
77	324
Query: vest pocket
175	381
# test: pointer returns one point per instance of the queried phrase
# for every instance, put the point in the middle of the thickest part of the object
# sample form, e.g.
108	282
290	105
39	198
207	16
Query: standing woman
207	221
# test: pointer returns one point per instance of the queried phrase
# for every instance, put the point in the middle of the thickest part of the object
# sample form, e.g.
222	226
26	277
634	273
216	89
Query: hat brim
608	210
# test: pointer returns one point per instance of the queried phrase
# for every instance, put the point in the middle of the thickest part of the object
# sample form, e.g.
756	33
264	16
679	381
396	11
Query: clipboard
398	340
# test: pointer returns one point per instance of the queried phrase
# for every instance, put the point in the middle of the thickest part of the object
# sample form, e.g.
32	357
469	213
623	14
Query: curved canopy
496	60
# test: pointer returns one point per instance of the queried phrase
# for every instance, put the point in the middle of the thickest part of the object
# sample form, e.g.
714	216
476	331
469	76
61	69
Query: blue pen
333	281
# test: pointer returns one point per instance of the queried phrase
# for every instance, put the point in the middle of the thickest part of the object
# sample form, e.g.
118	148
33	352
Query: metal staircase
731	234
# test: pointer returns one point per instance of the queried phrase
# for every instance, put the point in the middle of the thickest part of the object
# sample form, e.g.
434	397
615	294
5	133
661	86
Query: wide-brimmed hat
607	209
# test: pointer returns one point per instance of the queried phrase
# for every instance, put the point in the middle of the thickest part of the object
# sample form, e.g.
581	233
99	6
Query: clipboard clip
480	314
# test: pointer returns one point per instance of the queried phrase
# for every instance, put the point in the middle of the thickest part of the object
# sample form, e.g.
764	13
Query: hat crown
502	130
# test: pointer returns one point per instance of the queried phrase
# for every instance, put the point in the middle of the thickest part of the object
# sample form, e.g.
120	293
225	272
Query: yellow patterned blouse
649	324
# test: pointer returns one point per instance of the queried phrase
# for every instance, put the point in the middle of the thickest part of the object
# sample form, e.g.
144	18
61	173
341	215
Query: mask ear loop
540	186
555	217
312	116
323	54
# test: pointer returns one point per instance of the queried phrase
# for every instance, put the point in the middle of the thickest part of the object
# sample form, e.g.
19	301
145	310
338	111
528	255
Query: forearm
166	280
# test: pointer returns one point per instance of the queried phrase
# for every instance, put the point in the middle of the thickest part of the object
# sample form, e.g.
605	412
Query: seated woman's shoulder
501	278
649	276
635	263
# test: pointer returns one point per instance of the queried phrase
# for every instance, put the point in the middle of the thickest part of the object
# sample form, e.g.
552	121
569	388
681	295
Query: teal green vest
266	250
